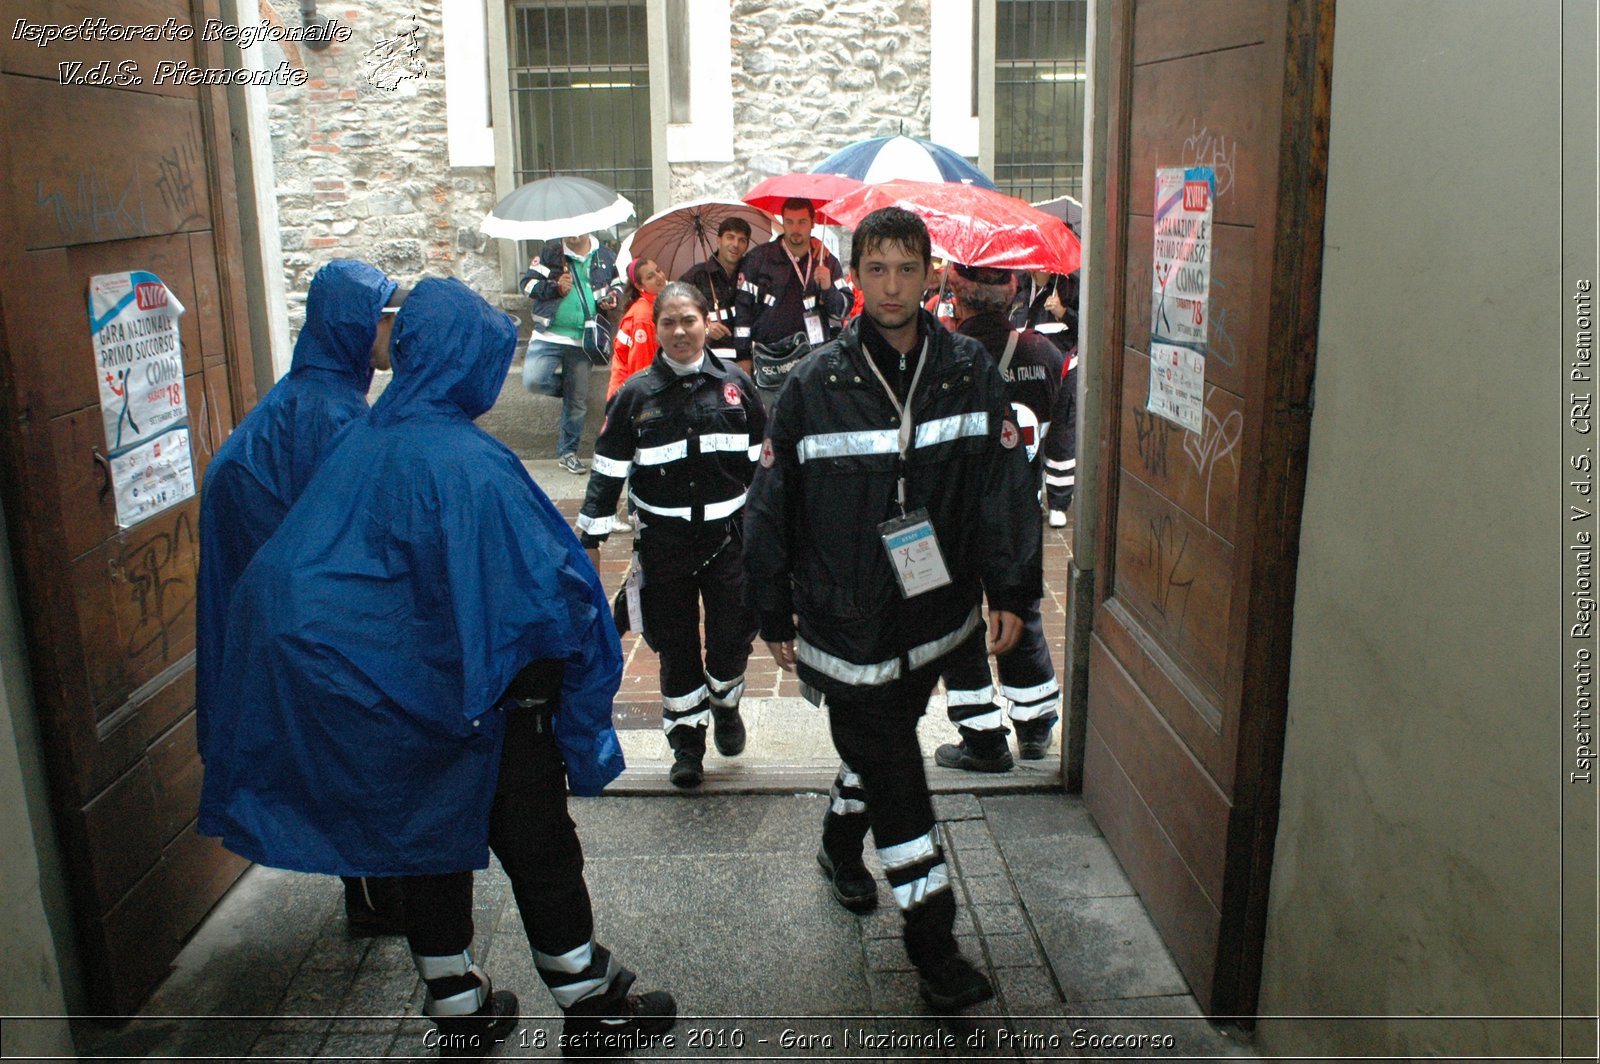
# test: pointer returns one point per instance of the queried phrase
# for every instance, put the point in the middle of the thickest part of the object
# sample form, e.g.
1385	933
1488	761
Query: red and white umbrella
970	225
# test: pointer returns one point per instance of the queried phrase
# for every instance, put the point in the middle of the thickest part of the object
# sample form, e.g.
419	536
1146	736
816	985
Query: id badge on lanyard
914	553
909	539
813	322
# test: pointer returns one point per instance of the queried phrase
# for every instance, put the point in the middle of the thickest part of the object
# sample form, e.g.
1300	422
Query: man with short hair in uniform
790	287
718	280
892	497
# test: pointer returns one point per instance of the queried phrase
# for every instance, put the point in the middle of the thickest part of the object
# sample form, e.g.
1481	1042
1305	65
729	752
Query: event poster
138	359
138	356
1182	273
1178	385
149	477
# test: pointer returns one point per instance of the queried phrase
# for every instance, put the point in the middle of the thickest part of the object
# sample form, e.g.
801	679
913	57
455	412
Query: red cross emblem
1008	435
766	454
730	394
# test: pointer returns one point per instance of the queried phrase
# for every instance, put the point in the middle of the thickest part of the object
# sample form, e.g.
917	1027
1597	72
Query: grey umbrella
555	207
1066	208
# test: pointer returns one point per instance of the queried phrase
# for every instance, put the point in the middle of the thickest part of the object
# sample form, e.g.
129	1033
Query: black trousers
537	844
1027	678
670	600
875	731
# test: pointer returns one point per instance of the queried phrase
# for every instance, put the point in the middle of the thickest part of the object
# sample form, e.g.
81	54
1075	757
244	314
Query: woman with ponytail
635	343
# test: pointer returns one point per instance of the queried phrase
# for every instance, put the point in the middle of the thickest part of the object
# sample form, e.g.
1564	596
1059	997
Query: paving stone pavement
717	898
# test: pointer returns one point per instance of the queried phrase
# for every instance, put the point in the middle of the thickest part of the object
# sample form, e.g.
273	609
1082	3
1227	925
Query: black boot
612	1023
373	906
688	756
840	860
471	1015
728	730
978	751
1033	737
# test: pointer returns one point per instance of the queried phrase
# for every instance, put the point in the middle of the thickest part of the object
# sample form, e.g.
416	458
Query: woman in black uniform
684	436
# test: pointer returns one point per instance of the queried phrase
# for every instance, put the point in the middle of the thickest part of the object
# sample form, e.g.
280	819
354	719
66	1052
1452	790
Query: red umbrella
969	225
818	188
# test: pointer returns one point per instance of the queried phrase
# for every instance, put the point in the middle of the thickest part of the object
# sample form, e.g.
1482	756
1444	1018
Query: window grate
1040	72
580	94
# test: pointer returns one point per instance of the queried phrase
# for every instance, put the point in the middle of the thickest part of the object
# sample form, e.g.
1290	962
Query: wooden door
101	180
1188	668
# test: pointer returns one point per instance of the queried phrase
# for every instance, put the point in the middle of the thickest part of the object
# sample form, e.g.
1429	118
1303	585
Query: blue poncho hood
261	469
373	636
342	307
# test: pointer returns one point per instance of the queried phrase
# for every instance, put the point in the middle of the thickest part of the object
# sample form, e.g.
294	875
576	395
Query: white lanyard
811	268
906	426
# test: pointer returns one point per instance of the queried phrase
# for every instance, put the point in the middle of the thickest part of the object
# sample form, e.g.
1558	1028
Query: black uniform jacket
686	446
828	477
771	300
722	295
1031	377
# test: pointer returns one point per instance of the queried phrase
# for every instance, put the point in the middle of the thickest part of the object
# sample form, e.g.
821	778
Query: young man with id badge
892	497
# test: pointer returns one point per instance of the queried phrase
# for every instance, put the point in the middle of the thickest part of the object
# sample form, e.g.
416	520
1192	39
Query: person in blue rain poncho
428	657
259	472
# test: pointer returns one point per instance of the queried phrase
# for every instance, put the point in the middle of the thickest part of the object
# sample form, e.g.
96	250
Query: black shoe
974	754
474	1036
1033	738
728	730
617	1022
954	984
687	769
373	907
853	886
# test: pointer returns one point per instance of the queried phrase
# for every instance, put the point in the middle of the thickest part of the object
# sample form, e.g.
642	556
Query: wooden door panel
103	180
147	927
1176	576
26	57
1191	709
1193	581
131	169
1180	793
1199	472
135	596
1230	335
1172	29
123	833
1189	924
1205	110
207	302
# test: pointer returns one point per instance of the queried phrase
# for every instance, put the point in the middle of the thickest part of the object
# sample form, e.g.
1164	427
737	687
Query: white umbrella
554	207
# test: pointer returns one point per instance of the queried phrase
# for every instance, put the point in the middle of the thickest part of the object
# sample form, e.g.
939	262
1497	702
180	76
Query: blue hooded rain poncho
261	469
371	639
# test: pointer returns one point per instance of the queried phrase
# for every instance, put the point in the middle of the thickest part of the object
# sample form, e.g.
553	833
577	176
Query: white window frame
468	123
954	119
708	136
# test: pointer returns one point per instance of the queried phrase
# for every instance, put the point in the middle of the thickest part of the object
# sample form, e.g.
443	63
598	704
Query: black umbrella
555	207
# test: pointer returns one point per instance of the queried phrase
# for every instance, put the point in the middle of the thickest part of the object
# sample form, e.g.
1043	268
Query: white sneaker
1058	519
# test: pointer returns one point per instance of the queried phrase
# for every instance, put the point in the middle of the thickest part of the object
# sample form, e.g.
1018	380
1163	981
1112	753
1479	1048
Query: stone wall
362	162
363	165
810	78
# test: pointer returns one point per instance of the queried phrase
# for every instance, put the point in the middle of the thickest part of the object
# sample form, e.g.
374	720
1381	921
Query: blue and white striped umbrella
902	159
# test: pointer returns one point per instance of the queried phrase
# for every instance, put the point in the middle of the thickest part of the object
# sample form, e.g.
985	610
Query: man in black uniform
684	435
789	288
893	495
718	280
1031	368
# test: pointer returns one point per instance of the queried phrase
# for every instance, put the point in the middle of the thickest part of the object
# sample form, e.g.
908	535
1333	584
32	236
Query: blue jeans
560	370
